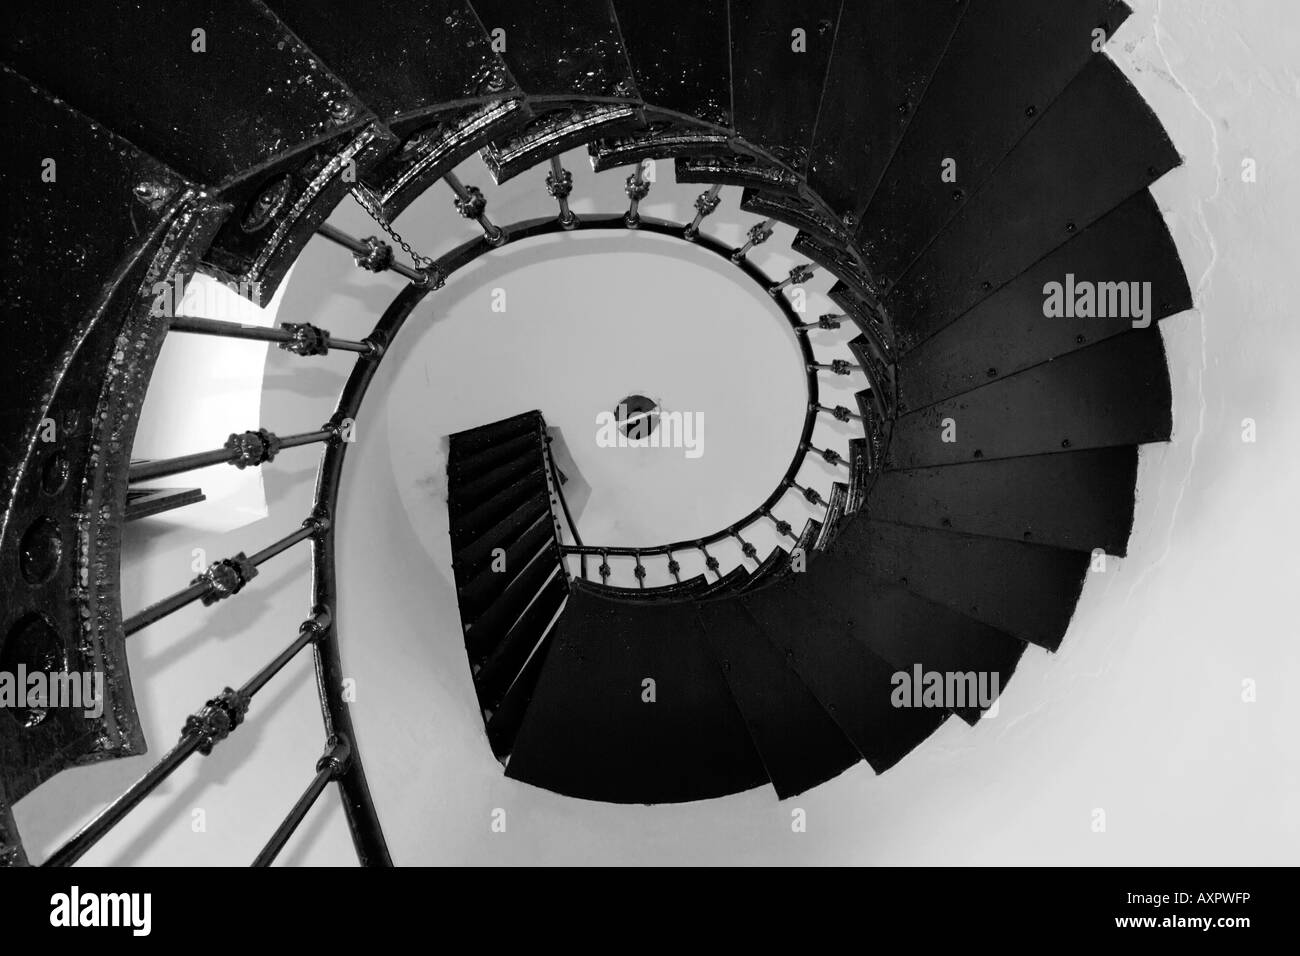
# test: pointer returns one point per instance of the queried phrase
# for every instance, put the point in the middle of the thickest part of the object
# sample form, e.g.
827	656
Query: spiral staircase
943	161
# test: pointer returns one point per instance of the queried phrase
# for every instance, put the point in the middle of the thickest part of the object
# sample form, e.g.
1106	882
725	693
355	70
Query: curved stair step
675	48
1026	322
769	569
910	632
798	742
742	170
407	59
1100	137
590	732
1027	590
849	680
81	255
427	69
253	96
1113	393
678	49
1008	61
778	45
564	58
1081	501
890	48
697	586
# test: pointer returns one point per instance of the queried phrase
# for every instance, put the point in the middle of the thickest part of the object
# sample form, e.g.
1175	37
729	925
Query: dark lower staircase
506	559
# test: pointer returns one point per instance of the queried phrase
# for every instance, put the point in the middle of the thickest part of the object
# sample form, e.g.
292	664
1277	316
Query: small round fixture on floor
637	416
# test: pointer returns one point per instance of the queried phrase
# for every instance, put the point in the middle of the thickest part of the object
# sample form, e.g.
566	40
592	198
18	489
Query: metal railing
341	761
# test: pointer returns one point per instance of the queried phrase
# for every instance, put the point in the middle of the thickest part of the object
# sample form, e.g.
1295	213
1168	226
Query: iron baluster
242	449
222	579
838	366
637	188
710	561
839	412
706	203
559	183
202	731
364	252
826	322
810	494
828	455
758	234
798	276
300	338
329	767
747	549
472	204
782	527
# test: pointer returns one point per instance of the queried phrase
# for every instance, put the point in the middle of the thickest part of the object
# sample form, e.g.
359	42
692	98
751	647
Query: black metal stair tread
1008	61
471	525
79	254
1113	393
463	462
505	663
884	54
484	633
860	472
502	723
771	567
695	586
833	256
476	593
679	55
765	57
850	681
138	75
572	64
865	312
1100	137
739	169
781	202
734	581
401	56
463	446
1079	501
835	508
1011	330
588	733
798	742
474	490
903	628
564	53
1027	590
868	354
471	558
58	270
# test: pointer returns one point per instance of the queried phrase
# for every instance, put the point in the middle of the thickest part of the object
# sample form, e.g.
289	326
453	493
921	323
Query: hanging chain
375	210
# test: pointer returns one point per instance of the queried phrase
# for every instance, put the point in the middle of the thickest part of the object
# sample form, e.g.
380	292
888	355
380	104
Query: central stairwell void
960	450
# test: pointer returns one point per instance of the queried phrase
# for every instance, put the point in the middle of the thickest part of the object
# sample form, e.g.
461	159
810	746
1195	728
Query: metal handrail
342	762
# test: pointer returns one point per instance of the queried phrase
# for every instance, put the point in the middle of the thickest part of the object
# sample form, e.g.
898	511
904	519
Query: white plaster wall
1140	714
